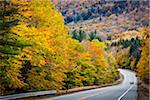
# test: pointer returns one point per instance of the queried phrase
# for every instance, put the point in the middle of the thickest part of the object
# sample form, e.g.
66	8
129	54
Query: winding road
127	90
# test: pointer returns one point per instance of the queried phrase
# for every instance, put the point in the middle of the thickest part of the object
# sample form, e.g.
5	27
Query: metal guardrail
53	92
29	94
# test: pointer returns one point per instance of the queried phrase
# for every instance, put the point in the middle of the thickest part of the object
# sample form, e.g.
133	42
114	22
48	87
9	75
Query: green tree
10	47
82	35
75	35
93	35
8	19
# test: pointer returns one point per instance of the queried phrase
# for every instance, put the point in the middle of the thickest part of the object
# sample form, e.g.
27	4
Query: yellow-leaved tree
53	60
143	64
43	26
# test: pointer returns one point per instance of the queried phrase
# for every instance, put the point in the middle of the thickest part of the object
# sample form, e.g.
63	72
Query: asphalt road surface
127	90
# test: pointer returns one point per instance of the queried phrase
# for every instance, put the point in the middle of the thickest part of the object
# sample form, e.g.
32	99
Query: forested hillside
106	17
37	53
64	44
79	10
123	25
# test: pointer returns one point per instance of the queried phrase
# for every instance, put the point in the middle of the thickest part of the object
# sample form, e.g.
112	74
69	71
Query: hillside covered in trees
123	25
107	17
37	53
64	44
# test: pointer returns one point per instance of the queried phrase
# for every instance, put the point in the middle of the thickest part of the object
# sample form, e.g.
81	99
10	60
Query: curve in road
127	90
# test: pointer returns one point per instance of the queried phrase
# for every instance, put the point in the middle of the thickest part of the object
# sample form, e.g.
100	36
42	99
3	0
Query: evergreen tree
82	35
92	36
10	47
75	35
8	40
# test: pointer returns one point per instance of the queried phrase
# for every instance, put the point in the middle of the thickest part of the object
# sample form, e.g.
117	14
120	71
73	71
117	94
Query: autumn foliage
143	64
47	56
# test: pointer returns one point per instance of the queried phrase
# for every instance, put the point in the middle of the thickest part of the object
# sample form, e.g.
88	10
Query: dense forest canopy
37	53
46	46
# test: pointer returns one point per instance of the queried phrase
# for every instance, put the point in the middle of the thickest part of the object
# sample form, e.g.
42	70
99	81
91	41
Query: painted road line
125	93
82	98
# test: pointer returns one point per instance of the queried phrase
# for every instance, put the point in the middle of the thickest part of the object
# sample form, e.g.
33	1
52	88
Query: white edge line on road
125	93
